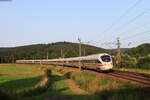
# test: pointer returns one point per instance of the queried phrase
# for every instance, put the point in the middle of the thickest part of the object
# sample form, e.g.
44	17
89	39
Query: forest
137	57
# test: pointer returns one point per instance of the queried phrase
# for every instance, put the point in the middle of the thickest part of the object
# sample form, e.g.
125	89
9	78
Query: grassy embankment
64	84
109	89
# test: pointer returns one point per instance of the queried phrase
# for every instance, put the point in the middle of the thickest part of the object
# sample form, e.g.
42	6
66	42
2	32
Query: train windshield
106	58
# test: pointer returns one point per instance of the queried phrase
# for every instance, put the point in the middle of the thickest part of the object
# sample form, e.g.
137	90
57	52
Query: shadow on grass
12	89
120	94
4	96
17	85
7	89
125	94
41	89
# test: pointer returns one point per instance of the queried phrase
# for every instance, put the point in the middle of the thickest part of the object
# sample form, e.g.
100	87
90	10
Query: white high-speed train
99	62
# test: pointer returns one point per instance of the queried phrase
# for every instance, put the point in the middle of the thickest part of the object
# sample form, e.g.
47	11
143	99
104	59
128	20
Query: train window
106	58
98	61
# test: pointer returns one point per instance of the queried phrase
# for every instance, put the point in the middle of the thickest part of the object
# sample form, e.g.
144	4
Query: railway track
139	79
135	78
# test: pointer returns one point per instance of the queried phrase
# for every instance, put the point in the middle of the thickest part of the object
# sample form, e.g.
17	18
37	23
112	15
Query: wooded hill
62	49
52	50
141	50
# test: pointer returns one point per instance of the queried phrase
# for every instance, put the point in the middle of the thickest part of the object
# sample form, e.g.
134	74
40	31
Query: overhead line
142	40
135	18
122	16
124	39
135	28
134	42
134	35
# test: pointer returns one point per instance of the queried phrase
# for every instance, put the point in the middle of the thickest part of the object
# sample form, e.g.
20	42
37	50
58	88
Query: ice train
99	62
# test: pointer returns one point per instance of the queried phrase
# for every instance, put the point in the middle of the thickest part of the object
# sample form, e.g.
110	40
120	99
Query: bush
144	63
68	75
128	61
48	72
83	80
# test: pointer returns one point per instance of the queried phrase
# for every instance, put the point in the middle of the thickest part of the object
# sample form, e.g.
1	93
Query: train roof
89	57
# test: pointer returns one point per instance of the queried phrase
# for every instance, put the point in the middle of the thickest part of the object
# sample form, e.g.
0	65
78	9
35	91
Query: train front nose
107	62
107	66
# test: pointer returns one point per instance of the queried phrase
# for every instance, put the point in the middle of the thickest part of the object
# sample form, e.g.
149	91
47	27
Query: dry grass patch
144	71
75	88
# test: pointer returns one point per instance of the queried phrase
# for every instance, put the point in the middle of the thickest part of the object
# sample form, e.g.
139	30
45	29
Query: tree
144	62
127	61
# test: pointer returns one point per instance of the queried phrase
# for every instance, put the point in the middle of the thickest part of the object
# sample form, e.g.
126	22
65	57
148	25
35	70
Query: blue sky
25	22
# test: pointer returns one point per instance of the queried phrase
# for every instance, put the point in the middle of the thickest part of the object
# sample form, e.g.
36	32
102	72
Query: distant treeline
44	51
68	49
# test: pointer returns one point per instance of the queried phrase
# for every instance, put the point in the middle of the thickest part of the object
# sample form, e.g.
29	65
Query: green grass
15	78
15	67
23	79
17	83
83	79
58	89
104	81
110	89
125	94
93	83
6	77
